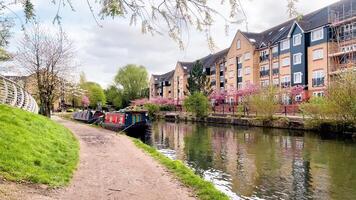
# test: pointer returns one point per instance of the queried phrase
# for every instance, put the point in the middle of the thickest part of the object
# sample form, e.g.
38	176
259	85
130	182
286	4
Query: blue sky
100	52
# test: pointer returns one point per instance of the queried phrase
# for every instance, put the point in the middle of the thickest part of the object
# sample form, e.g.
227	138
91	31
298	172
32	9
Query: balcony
285	84
264	58
318	82
264	73
275	71
275	55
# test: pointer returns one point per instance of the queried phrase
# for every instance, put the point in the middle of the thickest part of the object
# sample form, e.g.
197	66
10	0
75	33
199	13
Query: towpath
110	167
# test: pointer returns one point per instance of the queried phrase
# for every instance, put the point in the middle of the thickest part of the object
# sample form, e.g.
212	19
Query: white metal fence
14	95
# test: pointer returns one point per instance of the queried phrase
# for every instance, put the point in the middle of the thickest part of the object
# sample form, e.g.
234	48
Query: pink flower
85	101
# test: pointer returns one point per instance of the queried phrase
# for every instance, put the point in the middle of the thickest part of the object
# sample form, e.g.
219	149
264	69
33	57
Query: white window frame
318	94
239	72
285	61
298	98
285	44
297	77
318	54
313	35
275	65
296	61
275	49
238	44
285	79
264	83
247	70
240	85
297	39
275	81
247	56
318	74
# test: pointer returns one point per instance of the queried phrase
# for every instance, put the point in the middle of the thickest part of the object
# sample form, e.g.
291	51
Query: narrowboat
88	116
131	121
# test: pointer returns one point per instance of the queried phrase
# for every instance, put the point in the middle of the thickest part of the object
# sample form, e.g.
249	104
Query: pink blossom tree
296	90
218	96
85	101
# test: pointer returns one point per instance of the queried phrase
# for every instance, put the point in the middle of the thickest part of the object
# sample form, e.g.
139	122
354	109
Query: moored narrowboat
130	121
88	116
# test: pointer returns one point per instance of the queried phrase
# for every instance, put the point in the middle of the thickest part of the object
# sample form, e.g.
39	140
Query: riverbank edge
204	190
347	130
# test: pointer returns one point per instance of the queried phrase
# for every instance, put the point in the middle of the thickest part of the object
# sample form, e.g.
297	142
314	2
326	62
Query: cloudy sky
101	51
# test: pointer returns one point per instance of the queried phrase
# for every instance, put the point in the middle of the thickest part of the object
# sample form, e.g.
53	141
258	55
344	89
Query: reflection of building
305	51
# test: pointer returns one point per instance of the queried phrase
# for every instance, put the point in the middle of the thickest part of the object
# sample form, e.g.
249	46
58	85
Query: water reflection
262	163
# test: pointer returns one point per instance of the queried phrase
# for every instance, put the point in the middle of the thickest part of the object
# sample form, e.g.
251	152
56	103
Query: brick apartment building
306	51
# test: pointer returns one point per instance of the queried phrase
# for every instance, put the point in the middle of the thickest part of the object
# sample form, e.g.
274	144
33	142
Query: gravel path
111	167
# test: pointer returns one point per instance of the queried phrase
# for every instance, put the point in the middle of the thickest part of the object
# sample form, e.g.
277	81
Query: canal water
258	163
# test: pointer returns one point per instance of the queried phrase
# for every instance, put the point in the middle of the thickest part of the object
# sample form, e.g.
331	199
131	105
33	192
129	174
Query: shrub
198	104
265	102
167	108
152	109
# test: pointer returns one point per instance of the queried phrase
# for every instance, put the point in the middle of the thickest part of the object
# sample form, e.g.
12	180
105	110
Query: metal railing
14	95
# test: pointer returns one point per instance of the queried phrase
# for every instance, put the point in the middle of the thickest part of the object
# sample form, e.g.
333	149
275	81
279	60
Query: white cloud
101	51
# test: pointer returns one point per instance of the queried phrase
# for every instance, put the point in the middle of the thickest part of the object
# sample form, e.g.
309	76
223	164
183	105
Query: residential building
161	85
307	51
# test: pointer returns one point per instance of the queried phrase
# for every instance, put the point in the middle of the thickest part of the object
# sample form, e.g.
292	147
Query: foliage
198	104
339	104
134	81
46	56
36	149
218	96
115	97
167	108
265	102
205	190
95	93
198	80
152	110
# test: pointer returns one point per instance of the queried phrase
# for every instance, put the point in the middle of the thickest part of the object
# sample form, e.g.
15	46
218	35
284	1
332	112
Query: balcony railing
275	71
318	82
264	58
264	73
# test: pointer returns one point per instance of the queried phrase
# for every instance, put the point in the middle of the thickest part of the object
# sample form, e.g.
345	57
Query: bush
265	102
167	108
152	109
198	104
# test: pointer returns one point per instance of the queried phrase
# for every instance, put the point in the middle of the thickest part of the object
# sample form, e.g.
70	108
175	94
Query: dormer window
297	39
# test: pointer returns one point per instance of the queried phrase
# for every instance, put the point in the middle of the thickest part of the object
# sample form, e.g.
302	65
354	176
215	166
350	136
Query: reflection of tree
198	148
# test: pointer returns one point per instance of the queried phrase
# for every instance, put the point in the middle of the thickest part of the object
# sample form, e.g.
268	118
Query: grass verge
204	189
35	149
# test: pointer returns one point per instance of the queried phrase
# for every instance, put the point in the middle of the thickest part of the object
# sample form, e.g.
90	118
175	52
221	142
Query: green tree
265	102
198	80
115	97
134	81
198	104
95	93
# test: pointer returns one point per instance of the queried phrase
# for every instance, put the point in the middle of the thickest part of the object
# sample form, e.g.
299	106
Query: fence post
285	110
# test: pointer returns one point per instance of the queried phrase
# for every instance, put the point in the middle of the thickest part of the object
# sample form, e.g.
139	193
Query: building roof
307	22
207	61
163	77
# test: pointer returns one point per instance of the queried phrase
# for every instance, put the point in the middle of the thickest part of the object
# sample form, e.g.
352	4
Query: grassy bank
204	189
35	149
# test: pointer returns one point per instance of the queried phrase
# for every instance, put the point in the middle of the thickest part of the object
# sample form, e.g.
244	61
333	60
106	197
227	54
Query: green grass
35	149
203	189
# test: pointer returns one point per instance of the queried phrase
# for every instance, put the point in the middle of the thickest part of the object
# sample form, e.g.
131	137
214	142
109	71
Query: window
318	54
275	49
264	83
285	44
297	58
264	68
247	55
239	72
275	65
285	81
239	85
297	77
318	78
238	44
297	39
317	34
247	70
298	98
276	82
285	61
318	94
285	99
